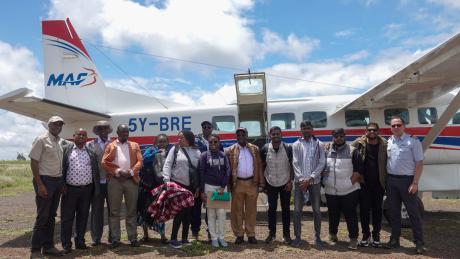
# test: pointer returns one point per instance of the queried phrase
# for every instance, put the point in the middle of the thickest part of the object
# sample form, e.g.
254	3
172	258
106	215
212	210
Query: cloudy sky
323	47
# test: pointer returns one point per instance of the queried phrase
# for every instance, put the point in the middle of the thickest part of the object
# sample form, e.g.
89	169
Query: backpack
264	150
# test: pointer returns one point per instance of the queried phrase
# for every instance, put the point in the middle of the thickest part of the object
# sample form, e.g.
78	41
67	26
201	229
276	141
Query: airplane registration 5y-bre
423	93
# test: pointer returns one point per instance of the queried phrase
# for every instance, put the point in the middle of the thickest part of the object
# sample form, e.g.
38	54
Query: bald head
123	133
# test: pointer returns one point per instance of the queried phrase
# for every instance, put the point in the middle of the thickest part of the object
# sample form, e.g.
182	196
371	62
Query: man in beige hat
46	164
102	129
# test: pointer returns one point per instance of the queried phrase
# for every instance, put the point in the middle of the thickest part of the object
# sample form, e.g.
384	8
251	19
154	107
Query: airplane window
355	118
250	86
427	115
253	128
318	119
224	123
283	120
455	119
403	113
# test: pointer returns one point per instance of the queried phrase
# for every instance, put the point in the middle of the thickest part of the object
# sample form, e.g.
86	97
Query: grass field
15	177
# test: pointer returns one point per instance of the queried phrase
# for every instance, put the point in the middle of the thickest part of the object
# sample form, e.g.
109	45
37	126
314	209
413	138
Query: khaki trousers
118	188
244	208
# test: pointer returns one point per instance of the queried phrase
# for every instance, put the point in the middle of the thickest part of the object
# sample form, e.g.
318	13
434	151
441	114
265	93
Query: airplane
423	93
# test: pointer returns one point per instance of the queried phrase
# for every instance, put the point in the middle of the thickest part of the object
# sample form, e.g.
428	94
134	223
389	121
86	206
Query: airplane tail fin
70	74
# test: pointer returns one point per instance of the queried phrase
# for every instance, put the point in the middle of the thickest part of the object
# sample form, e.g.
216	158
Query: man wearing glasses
372	153
404	166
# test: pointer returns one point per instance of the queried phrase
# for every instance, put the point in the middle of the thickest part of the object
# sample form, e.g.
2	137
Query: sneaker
353	245
333	239
53	251
269	239
296	242
185	242
215	243
239	240
67	250
419	248
287	240
319	243
376	243
364	242
222	242
175	244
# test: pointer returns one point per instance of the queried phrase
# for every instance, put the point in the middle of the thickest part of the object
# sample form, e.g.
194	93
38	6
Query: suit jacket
135	156
96	148
233	153
94	165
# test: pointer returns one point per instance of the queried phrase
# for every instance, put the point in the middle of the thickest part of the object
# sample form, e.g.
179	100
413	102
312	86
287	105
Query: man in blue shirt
404	166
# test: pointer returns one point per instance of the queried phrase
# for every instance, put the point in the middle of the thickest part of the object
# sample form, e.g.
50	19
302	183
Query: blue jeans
314	191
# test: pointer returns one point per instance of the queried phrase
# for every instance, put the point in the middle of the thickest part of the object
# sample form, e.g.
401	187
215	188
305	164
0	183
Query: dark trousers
183	217
345	204
43	231
397	193
196	216
370	201
97	214
75	204
285	198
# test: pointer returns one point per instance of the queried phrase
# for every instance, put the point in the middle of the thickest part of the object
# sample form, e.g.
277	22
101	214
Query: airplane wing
20	101
434	74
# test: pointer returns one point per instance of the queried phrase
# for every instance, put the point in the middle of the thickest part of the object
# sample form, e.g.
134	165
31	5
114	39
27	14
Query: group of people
83	176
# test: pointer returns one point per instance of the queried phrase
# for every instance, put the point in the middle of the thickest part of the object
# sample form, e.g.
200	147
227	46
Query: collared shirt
79	172
47	150
308	149
102	144
123	160
245	163
403	154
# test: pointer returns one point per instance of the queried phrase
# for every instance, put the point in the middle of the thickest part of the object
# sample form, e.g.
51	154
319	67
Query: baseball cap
55	119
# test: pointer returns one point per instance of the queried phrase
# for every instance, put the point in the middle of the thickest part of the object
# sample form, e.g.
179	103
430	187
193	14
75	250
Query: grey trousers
117	189
97	214
397	193
314	191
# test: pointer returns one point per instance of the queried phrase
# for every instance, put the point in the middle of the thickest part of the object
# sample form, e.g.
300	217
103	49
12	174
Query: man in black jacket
80	175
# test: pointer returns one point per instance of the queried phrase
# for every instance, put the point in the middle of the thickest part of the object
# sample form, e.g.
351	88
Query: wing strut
451	109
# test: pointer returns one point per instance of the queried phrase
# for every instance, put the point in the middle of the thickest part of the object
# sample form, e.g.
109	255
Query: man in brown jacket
122	160
245	179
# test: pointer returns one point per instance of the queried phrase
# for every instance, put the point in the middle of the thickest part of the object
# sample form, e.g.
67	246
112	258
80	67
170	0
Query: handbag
223	197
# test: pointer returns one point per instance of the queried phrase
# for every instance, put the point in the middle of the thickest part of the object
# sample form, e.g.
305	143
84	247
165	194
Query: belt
244	179
79	186
53	178
401	176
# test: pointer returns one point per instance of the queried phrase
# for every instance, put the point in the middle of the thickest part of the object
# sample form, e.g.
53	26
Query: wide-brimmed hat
102	124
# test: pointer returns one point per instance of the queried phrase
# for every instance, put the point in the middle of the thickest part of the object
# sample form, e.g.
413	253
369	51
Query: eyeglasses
372	130
206	127
213	142
396	125
339	136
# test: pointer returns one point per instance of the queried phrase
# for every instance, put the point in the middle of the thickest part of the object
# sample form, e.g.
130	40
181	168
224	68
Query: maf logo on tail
73	79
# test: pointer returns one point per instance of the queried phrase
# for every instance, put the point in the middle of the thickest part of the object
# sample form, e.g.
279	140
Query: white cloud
18	68
210	31
393	31
293	46
362	54
345	33
447	3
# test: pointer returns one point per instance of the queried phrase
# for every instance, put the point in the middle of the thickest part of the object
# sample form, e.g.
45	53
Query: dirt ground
441	230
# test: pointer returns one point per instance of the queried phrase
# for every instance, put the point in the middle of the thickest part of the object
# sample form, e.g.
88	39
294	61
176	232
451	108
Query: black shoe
196	236
81	246
296	242
135	243
239	240
36	254
96	243
287	240
269	239
67	250
252	240
164	240
53	251
419	249
392	244
114	244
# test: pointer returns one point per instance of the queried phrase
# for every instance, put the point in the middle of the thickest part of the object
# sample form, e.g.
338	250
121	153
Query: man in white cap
46	164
